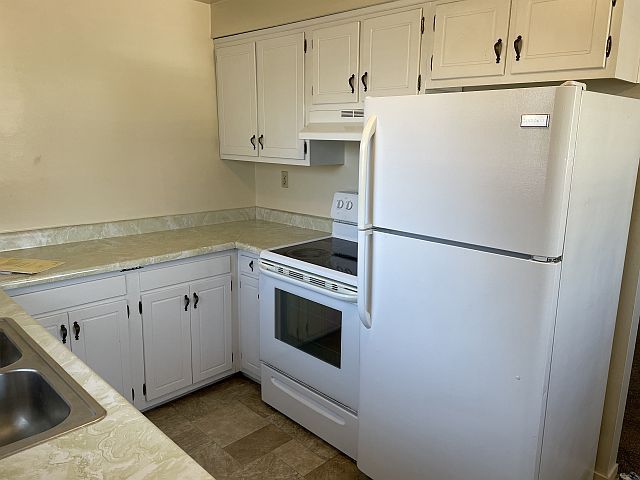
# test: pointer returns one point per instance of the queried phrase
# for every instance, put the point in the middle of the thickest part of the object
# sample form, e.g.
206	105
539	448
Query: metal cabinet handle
497	47
196	299
517	45
351	80
76	330
261	141
187	301
253	142
251	265
364	77
63	333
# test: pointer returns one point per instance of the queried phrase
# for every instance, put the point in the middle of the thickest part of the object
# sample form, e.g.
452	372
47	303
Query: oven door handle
338	296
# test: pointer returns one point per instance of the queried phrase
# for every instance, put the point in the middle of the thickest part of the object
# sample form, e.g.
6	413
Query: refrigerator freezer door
454	368
460	167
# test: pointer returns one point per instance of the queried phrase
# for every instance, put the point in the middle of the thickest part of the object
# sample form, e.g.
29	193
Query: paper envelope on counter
25	265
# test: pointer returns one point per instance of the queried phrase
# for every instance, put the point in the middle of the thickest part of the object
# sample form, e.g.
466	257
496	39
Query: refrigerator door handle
364	214
364	274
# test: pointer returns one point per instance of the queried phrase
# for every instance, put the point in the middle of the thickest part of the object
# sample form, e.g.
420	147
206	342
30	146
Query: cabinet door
99	338
249	319
281	96
559	34
334	55
57	325
470	39
391	54
166	330
236	83
211	340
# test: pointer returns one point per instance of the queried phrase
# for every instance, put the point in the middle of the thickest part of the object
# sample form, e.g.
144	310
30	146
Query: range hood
345	127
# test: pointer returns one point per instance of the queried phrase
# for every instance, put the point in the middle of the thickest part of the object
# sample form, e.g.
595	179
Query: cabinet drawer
188	272
249	265
336	425
70	296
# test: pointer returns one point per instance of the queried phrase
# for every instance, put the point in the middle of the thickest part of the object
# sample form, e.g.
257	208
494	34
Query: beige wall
236	16
107	112
310	189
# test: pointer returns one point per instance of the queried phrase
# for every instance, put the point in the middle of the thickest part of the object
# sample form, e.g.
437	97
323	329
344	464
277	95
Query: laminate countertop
123	445
92	257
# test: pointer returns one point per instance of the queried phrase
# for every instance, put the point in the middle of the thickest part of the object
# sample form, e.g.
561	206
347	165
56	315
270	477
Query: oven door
311	336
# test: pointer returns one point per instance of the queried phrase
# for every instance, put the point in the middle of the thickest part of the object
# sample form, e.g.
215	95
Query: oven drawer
330	422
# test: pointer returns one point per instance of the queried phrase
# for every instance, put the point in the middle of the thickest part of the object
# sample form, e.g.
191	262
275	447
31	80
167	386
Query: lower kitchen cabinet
90	318
249	325
211	336
98	336
186	325
166	324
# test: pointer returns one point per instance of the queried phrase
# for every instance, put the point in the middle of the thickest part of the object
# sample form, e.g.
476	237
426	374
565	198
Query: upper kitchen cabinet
555	35
470	38
261	101
280	97
545	41
334	55
390	52
237	102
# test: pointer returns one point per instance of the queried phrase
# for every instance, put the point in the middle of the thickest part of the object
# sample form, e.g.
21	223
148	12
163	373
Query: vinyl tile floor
629	450
234	435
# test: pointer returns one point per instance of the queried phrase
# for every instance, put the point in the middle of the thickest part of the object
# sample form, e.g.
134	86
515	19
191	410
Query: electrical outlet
284	179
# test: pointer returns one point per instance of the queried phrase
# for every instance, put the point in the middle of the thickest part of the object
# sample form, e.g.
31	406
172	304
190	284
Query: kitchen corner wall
108	112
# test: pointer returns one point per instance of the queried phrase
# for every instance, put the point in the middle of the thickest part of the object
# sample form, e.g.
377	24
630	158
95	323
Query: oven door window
308	326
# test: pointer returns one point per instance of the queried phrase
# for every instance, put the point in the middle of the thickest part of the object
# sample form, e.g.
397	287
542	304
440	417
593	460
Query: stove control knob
340	203
349	205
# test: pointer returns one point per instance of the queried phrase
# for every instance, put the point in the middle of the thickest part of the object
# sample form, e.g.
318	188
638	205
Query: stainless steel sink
38	399
9	353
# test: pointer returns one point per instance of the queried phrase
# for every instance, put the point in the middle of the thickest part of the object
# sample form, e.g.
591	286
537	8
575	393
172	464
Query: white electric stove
309	329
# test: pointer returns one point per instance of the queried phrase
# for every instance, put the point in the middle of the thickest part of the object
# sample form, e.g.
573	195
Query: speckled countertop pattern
114	254
124	445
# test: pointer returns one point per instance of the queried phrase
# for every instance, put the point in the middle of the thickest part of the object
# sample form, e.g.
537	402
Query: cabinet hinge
144	389
140	307
422	25
232	285
305	45
305	147
419	82
128	311
609	43
231	357
434	23
431	65
133	395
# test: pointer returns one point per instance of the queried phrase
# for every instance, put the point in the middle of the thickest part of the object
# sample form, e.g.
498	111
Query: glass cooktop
334	253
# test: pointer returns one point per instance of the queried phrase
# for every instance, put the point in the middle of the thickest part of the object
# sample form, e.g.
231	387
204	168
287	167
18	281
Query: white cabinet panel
559	34
249	319
58	326
237	103
470	39
334	56
391	54
211	339
281	96
167	340
98	337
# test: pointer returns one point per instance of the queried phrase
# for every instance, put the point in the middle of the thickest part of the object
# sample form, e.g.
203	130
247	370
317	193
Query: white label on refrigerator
537	120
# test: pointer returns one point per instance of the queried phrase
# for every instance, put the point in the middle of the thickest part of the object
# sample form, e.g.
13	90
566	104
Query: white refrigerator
493	228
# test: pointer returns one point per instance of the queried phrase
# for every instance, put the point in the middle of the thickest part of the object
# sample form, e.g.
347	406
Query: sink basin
29	406
9	353
39	400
